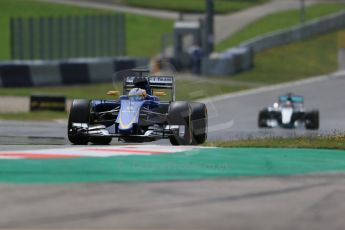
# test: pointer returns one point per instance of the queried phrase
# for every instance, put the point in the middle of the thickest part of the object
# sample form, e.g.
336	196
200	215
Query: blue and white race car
139	115
288	112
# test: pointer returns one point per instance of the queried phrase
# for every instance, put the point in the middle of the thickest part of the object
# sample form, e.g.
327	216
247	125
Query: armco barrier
297	33
242	57
74	71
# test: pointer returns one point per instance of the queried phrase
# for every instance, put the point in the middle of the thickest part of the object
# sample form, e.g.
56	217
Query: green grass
285	63
320	142
139	30
34	116
194	6
144	39
295	61
278	21
75	91
185	90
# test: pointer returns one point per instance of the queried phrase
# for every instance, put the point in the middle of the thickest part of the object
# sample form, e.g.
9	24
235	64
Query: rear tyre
312	120
262	119
180	114
79	113
199	120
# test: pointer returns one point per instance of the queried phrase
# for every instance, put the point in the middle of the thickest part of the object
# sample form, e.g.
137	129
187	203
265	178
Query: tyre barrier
64	72
74	73
18	75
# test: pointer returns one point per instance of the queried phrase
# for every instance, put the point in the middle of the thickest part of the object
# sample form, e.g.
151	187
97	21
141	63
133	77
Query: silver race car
288	112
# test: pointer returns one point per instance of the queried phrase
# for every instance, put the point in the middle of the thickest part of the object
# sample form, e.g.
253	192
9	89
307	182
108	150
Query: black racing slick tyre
312	120
262	119
79	113
200	122
180	114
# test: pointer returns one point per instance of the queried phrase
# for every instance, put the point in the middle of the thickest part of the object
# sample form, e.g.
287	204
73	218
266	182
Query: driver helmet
142	83
289	97
137	94
288	103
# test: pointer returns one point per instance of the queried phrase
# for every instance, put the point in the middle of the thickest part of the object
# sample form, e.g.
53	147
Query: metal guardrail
297	33
48	38
241	58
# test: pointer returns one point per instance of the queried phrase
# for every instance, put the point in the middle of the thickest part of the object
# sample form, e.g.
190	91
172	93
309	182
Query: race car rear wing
156	82
294	98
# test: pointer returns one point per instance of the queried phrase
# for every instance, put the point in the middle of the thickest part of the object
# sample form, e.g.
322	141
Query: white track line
96	151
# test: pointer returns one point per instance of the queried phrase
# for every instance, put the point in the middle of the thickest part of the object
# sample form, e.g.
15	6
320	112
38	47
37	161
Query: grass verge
136	26
285	63
319	142
278	21
281	64
185	90
308	58
193	6
35	116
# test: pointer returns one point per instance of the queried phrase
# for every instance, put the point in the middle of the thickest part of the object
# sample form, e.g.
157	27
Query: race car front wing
154	132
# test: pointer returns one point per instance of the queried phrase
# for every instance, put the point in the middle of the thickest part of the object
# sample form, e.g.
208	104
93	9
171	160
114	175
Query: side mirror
159	93
113	93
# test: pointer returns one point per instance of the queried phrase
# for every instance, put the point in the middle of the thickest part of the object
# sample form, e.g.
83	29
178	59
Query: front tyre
180	114
79	113
262	119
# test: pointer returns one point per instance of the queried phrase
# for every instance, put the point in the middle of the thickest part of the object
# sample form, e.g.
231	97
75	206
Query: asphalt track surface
232	116
285	202
297	202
